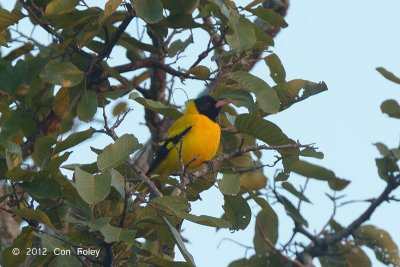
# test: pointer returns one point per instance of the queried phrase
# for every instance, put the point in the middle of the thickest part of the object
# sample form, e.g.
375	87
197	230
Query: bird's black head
209	107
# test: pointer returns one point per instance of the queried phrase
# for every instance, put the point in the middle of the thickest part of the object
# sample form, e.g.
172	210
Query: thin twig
210	48
275	250
126	200
117	34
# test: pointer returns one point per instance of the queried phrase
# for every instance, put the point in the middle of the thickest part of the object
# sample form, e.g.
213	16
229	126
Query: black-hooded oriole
199	133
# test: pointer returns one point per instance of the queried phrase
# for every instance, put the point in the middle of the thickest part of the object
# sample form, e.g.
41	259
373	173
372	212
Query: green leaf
178	206
65	261
262	36
241	35
263	130
386	251
117	181
267	260
178	46
91	167
165	262
148	10
110	8
391	107
237	211
320	173
229	184
42	189
253	180
72	17
174	204
383	149
290	188
266	96
180	6
355	257
269	15
240	98
112	233
61	102
35	215
386	166
17	174
87	106
23	241
9	18
65	74
55	7
396	153
73	140
201	72
13	154
156	106
43	151
311	152
282	176
56	162
292	211
185	253
11	78
289	92
206	220
19	51
274	64
116	154
115	74
119	108
3	42
388	75
137	80
179	21
131	44
91	188
50	243
262	203
254	3
266	225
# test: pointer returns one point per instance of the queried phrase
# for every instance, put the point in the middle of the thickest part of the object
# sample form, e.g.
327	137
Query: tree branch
225	156
275	250
320	246
109	45
210	48
155	63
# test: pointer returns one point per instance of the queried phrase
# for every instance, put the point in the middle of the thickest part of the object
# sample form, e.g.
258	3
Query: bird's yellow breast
198	145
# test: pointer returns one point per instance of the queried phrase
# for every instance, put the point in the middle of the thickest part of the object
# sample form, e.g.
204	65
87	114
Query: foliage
110	205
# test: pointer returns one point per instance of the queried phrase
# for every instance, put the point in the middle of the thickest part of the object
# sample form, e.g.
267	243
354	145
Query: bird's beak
222	102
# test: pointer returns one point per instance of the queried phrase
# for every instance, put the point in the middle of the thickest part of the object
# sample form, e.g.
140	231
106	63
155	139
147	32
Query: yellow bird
200	135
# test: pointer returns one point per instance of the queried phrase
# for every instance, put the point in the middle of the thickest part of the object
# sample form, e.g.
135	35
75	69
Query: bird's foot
211	165
191	177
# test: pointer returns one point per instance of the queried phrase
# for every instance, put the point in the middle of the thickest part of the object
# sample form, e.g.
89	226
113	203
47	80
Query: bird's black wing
163	150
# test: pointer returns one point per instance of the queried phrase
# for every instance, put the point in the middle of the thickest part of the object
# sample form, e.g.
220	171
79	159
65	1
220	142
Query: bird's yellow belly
199	144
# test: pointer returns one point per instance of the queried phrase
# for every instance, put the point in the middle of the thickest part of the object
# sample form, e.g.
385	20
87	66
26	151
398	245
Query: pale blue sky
341	43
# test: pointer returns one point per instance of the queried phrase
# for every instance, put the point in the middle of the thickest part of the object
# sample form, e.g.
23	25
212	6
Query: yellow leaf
253	181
